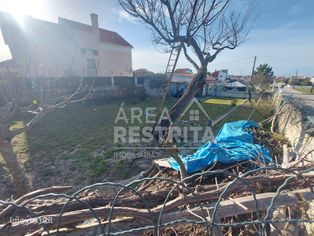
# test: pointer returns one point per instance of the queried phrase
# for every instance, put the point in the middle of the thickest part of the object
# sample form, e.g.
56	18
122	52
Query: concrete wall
299	131
296	128
152	84
217	92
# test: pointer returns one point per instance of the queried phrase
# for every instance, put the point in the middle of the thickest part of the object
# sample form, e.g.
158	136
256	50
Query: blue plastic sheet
233	143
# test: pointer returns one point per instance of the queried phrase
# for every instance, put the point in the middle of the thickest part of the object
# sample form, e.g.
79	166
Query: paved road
306	100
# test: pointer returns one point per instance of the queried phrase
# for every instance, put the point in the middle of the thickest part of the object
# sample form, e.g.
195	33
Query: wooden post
285	161
217	230
250	83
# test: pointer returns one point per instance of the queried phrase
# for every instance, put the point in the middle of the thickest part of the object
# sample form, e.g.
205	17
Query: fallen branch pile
161	202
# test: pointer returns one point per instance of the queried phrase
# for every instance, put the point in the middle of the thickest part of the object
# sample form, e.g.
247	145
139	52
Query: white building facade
66	48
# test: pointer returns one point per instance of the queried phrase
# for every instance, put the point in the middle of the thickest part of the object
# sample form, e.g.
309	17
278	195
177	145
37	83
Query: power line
235	61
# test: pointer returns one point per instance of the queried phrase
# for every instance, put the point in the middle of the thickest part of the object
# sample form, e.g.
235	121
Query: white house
180	81
220	75
45	49
235	85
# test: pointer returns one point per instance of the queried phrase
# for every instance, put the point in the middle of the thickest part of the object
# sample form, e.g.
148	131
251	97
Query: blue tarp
233	143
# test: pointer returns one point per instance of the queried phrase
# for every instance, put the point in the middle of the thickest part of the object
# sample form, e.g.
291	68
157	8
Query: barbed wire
157	218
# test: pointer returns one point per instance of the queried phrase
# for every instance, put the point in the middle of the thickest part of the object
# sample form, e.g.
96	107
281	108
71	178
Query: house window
91	64
89	52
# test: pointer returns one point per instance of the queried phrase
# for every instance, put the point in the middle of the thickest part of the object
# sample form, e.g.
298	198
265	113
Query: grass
242	113
74	145
305	90
65	141
99	166
224	101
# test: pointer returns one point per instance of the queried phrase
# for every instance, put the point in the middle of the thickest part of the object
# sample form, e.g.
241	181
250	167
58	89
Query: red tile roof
112	37
183	71
142	72
184	75
215	74
104	35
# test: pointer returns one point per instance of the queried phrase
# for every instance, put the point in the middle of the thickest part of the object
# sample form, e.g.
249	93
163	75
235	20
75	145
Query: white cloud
275	32
124	16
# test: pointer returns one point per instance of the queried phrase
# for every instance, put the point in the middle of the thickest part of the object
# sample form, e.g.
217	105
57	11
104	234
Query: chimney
94	19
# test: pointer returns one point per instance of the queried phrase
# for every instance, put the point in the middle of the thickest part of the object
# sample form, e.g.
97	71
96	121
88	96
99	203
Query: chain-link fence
215	202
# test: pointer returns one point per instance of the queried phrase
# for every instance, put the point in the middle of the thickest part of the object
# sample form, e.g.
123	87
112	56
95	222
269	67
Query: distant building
234	86
153	82
241	78
142	72
66	48
280	79
220	75
297	79
180	82
183	71
210	86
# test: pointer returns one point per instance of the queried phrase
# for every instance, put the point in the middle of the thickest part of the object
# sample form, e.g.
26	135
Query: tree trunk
250	94
16	171
194	87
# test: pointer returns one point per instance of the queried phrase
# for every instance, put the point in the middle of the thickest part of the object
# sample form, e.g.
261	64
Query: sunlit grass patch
224	101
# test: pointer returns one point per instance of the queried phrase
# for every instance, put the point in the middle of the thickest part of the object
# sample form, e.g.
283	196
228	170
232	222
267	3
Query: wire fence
223	207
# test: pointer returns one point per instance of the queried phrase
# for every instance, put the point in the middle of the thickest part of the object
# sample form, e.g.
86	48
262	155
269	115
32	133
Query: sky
282	35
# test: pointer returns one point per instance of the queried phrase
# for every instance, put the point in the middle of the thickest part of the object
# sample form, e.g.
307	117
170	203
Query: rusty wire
156	224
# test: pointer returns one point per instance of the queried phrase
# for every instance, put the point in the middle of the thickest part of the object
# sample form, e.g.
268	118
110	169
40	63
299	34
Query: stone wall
293	124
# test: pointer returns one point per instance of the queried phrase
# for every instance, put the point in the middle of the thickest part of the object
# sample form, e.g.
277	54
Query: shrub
265	107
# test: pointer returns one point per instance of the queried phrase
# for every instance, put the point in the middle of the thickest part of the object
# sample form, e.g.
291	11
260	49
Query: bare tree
204	28
14	88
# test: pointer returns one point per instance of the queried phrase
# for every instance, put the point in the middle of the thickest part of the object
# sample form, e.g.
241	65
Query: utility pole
296	76
250	82
253	69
